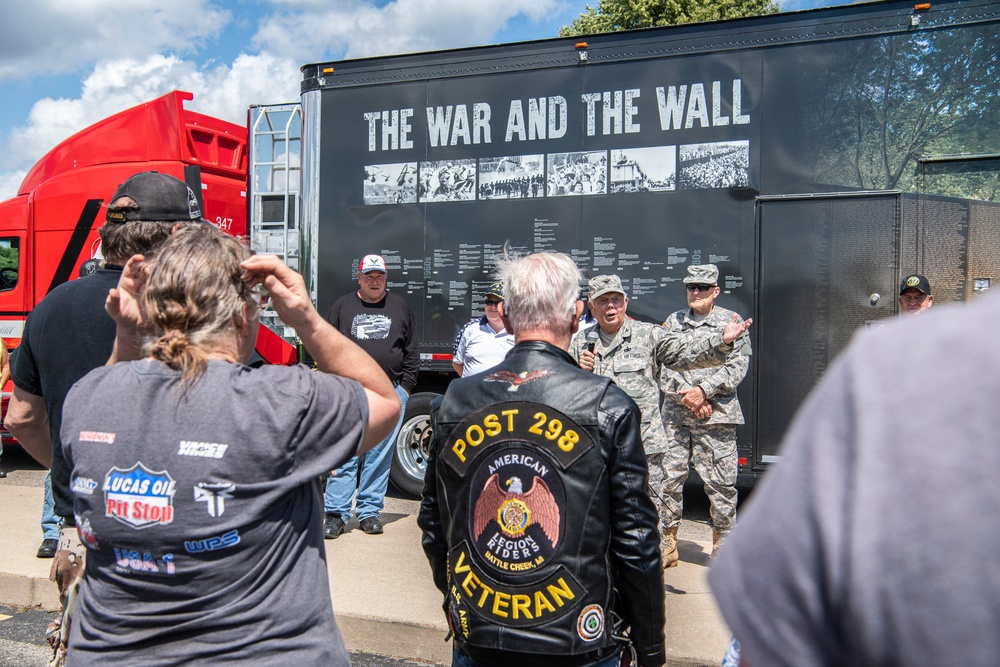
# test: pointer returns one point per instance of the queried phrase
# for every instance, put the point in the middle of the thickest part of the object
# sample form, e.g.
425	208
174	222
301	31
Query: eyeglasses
603	303
699	288
493	302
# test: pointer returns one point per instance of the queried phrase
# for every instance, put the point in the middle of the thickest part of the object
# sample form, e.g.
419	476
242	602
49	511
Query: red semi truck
49	229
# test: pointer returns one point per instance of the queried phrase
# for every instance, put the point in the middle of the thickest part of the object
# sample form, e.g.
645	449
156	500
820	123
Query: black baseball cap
917	282
496	289
160	197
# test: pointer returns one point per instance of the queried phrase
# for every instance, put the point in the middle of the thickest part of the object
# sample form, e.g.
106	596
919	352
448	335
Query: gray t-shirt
873	541
202	514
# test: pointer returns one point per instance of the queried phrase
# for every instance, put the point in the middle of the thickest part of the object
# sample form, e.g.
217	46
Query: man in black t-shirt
383	325
68	334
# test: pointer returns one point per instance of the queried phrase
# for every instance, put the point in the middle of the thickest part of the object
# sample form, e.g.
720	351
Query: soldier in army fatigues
633	354
701	412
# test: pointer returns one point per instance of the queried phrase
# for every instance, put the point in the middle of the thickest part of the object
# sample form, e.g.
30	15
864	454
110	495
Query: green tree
8	258
882	103
615	15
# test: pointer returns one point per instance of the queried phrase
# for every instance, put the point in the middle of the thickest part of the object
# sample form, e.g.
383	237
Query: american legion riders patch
515	453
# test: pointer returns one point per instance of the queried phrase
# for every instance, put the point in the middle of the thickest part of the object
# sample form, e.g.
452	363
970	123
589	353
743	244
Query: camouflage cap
603	284
703	274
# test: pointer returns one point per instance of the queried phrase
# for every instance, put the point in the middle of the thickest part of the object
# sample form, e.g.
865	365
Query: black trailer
816	157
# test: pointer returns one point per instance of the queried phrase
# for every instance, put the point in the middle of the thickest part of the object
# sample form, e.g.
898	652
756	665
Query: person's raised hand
122	303
285	287
735	328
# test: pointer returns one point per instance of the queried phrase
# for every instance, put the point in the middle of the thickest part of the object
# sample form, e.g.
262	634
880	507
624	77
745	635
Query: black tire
409	458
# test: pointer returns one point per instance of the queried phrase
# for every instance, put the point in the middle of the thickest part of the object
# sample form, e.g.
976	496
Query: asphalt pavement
22	643
383	596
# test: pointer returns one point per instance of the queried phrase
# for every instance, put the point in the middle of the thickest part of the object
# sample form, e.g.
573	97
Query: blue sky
65	64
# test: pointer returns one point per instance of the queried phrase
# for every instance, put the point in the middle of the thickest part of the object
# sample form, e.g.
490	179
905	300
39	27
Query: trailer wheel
409	460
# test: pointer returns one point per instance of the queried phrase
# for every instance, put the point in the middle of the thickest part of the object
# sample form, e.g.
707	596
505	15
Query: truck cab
48	230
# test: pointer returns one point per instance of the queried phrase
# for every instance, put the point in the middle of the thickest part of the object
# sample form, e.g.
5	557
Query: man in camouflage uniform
633	354
701	412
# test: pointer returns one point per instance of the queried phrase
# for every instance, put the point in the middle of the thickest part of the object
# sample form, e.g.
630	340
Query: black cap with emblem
158	197
916	282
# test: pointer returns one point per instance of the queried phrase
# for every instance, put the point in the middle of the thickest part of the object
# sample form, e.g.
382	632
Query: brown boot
718	538
670	547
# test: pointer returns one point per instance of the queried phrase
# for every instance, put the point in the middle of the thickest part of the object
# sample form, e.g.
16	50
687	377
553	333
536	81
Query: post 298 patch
514	455
516	422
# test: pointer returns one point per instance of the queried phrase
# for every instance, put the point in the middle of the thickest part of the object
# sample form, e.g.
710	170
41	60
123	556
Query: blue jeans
459	659
374	477
50	522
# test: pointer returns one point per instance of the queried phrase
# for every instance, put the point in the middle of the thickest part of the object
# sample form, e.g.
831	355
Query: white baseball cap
372	263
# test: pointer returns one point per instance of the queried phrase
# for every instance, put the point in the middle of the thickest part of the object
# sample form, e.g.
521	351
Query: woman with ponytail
196	477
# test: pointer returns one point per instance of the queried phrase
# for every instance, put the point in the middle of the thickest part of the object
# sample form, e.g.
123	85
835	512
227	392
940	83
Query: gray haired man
537	524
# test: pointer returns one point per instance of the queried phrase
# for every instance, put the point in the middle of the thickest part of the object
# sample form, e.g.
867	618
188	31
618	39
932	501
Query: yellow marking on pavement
4	617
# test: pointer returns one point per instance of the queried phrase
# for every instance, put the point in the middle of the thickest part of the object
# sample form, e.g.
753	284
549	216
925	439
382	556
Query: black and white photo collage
724	164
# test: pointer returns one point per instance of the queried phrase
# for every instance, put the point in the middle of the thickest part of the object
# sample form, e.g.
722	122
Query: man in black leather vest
536	520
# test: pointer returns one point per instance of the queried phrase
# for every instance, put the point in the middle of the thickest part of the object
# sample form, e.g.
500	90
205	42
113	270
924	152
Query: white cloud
138	50
46	36
252	79
225	92
10	181
314	30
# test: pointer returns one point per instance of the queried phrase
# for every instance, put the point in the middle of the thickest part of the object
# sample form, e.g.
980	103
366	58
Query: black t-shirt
66	336
386	330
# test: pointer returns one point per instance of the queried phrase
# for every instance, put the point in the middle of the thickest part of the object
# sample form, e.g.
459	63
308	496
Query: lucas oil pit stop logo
518	508
138	496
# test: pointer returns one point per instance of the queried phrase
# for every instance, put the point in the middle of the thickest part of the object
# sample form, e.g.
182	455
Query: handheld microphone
591	339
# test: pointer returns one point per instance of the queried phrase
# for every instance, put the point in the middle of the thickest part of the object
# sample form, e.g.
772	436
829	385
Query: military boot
718	538
670	547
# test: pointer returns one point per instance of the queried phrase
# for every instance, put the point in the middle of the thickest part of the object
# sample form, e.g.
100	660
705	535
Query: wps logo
230	539
138	496
214	495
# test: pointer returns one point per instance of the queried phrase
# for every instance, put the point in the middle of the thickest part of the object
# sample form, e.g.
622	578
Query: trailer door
828	265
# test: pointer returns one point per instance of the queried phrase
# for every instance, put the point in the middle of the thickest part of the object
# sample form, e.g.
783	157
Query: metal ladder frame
275	152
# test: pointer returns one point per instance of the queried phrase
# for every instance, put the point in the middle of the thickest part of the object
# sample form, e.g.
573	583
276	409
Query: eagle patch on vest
518	505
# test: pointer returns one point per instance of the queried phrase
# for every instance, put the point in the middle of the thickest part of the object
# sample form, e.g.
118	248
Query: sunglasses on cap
691	287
